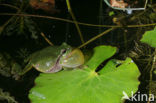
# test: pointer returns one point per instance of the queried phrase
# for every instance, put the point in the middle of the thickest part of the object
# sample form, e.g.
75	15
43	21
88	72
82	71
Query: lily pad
86	85
149	37
101	53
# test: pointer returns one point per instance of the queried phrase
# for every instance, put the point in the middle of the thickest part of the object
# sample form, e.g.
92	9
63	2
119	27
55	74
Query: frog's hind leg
26	69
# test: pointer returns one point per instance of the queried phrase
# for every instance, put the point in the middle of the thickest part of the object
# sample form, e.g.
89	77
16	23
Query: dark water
87	11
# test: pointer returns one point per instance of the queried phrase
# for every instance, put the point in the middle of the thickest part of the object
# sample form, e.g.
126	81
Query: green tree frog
53	58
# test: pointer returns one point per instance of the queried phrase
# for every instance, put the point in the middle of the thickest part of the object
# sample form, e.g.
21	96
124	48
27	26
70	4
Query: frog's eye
63	51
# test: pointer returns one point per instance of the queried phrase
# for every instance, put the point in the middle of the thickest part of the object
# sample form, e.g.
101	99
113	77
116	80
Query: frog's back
45	54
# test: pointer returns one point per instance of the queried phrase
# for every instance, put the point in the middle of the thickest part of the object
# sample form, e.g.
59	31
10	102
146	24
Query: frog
53	59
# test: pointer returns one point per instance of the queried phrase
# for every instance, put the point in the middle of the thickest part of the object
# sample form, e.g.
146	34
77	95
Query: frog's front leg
26	69
18	74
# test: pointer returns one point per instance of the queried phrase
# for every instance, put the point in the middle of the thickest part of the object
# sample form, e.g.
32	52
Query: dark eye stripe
63	51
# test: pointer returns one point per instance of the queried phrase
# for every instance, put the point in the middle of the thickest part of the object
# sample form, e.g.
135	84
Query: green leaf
111	13
101	53
86	85
149	37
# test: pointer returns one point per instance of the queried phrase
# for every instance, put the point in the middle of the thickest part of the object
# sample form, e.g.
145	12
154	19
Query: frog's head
71	58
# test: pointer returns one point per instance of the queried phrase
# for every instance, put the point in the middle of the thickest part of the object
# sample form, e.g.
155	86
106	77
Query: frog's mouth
57	67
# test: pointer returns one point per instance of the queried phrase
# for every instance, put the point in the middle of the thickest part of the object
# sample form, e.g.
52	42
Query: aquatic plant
89	85
8	66
150	38
5	96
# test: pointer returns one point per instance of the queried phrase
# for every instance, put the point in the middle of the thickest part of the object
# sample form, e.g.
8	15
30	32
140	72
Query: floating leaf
86	85
149	37
101	53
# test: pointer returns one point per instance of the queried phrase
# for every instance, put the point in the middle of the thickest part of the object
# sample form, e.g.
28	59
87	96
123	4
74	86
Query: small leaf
111	13
101	53
149	37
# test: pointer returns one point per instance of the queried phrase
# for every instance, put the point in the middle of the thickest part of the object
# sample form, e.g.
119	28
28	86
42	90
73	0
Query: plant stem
46	39
151	73
96	37
74	20
80	23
